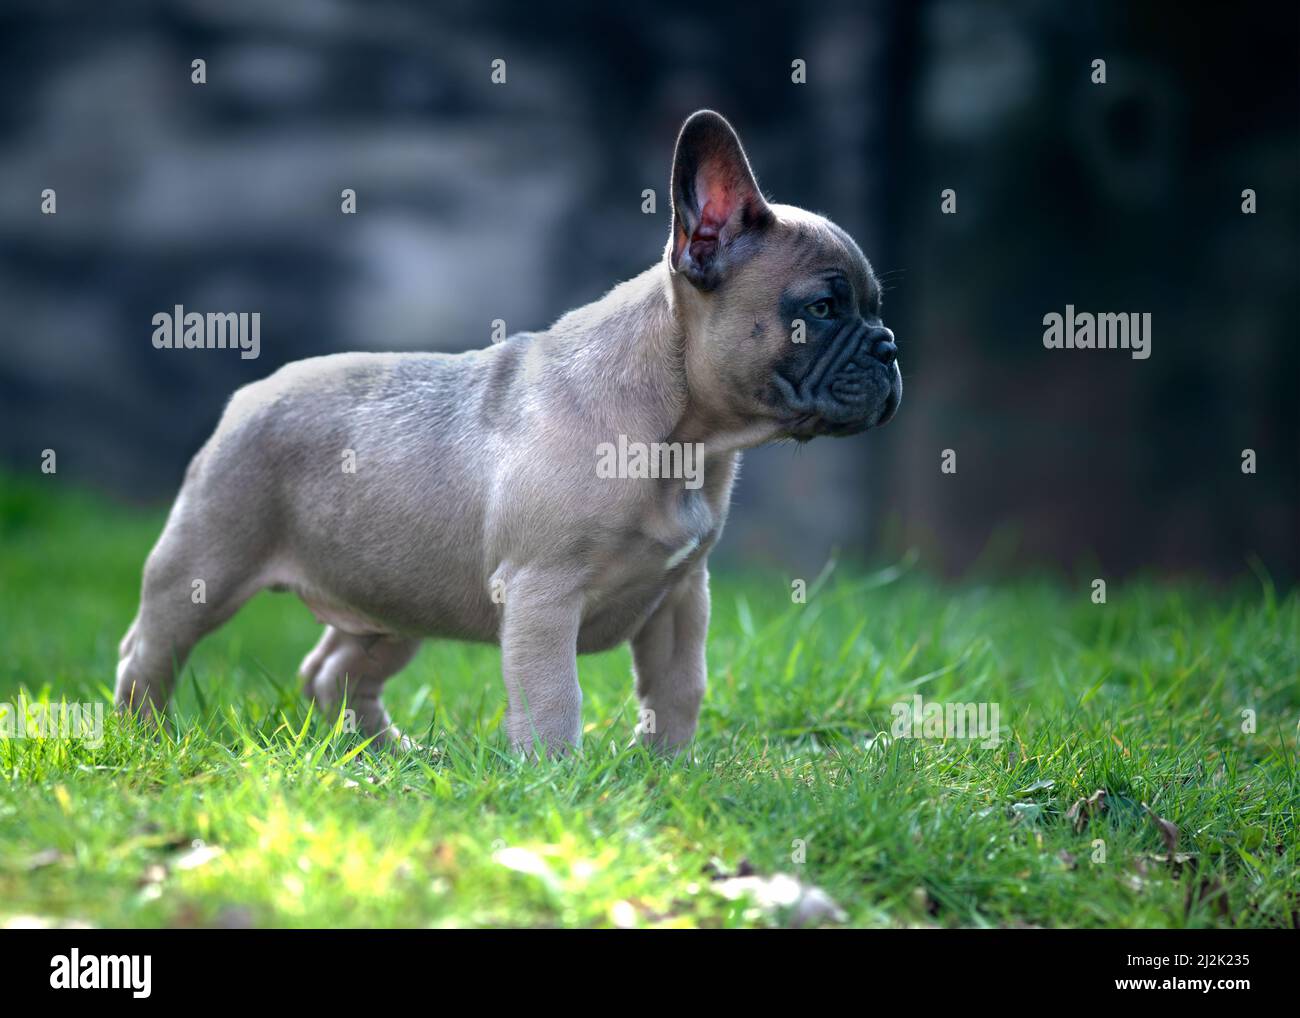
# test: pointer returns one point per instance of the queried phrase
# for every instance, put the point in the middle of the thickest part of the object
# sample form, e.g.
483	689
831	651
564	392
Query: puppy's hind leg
354	668
192	584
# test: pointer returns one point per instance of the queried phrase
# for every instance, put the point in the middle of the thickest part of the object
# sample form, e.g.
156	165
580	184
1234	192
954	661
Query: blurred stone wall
480	201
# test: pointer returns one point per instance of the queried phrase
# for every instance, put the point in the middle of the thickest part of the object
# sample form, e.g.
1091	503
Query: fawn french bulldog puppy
474	508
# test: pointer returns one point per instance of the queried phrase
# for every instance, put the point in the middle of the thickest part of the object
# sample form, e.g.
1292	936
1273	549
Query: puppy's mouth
806	427
850	404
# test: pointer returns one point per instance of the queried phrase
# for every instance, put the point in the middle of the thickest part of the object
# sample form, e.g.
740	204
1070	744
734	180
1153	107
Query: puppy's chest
632	581
698	522
666	543
654	552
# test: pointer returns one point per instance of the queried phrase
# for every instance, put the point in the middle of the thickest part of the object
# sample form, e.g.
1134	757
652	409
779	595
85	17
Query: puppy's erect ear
717	208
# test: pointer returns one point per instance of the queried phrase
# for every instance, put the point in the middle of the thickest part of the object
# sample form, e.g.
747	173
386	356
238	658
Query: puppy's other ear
717	208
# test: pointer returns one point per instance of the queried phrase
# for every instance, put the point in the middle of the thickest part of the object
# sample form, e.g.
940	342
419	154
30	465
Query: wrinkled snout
865	389
848	383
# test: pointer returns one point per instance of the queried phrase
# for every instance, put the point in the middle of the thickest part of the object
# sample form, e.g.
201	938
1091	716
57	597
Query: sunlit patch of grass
250	809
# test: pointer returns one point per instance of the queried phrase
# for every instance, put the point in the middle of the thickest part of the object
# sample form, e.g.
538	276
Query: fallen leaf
528	863
444	854
1082	812
200	854
37	922
923	902
235	917
1168	830
154	873
797	903
1176	861
45	857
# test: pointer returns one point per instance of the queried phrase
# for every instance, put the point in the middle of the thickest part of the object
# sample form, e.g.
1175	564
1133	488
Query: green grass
302	825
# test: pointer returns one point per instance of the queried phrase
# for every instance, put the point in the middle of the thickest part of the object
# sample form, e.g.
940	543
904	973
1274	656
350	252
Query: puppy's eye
819	309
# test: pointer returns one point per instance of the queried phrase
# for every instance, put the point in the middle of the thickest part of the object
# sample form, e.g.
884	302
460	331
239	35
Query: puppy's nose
880	342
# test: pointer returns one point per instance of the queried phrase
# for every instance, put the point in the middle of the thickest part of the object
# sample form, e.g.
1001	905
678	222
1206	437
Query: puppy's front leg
668	656
539	646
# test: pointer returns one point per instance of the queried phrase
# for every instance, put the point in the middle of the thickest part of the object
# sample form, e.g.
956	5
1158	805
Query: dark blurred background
517	201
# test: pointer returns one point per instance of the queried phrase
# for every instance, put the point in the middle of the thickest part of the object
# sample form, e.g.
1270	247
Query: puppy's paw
393	740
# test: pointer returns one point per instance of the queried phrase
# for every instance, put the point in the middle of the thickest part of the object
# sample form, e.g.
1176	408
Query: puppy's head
781	310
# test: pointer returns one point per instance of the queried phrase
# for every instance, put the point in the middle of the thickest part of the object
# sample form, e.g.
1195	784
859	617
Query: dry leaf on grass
1082	812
